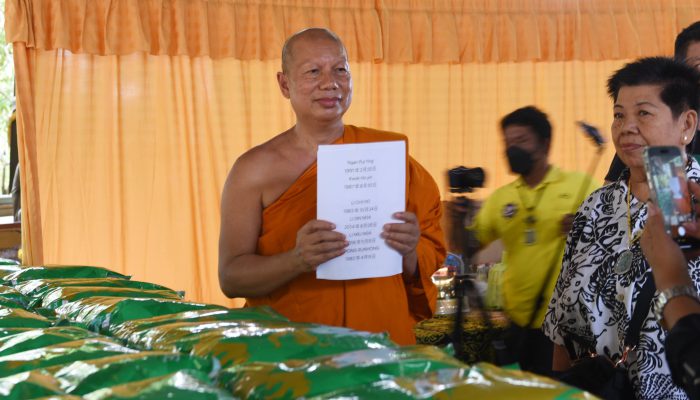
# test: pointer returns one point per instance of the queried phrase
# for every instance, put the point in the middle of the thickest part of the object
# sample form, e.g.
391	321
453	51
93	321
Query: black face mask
520	161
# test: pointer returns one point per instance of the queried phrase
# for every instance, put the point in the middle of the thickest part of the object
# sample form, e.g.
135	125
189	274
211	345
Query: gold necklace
624	260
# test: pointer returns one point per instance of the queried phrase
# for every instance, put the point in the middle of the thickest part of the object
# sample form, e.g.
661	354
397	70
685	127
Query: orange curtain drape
412	31
130	113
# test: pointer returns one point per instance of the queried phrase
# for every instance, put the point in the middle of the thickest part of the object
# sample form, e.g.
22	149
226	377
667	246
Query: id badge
530	236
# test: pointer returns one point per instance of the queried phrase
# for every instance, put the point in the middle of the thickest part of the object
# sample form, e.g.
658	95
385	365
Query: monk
271	242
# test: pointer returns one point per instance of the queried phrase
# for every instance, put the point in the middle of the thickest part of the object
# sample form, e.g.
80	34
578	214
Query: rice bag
45	312
99	313
128	328
37	338
234	342
481	381
182	385
11	298
60	271
38	287
29	385
11	331
293	379
62	353
8	269
85	376
19	318
61	295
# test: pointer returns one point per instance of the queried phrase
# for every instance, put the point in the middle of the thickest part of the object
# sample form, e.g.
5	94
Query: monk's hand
663	254
317	243
402	236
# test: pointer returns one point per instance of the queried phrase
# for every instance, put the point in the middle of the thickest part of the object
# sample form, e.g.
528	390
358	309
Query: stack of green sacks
48	355
87	332
403	373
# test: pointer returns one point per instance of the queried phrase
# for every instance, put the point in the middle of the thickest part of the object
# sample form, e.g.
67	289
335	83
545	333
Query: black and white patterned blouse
593	303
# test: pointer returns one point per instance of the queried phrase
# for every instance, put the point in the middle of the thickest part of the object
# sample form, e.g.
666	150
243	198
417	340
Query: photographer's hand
567	222
459	206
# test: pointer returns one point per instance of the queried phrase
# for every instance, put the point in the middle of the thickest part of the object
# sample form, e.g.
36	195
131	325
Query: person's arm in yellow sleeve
484	225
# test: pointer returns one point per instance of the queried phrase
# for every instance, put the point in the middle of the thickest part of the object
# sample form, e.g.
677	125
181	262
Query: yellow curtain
125	140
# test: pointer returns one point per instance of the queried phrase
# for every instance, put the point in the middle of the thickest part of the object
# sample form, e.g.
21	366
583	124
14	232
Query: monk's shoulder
363	134
253	167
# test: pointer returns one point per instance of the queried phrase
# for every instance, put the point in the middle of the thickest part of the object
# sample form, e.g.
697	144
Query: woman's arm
560	359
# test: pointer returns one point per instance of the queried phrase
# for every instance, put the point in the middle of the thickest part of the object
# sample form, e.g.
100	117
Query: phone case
665	169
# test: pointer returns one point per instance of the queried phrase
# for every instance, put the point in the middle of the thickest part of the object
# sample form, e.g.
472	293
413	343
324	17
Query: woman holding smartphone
603	269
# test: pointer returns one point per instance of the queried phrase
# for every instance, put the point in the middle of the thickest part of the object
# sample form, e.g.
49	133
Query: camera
461	210
464	180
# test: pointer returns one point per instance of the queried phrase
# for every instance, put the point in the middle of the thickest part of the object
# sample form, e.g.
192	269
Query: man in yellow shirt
531	216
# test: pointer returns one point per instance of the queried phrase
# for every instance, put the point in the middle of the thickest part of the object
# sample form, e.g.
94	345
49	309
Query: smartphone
665	170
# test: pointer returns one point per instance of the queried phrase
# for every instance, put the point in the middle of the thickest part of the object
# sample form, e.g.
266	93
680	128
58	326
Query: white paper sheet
359	187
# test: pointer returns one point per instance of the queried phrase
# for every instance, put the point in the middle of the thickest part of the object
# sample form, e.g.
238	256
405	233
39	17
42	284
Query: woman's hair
680	84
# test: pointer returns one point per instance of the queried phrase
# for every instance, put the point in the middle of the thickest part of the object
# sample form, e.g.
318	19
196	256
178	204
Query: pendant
530	236
624	262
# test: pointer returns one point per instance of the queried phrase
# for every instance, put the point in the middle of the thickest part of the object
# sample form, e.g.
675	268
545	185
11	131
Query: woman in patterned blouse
655	104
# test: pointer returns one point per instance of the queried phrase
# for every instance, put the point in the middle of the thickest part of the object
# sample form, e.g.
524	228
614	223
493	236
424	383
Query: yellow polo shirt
503	216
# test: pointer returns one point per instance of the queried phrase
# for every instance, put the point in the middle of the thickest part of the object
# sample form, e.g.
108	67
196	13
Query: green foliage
7	102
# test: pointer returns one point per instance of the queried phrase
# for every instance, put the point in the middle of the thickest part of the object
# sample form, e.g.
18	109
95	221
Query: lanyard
530	219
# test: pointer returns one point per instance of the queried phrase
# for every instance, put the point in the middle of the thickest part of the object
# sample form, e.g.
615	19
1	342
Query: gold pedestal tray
476	339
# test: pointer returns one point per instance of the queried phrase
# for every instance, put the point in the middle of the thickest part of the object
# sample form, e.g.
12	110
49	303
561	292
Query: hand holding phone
665	169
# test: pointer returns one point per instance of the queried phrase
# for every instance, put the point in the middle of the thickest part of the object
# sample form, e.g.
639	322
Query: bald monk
271	242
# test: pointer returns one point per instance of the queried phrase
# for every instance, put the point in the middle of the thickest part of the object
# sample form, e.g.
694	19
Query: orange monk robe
375	304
